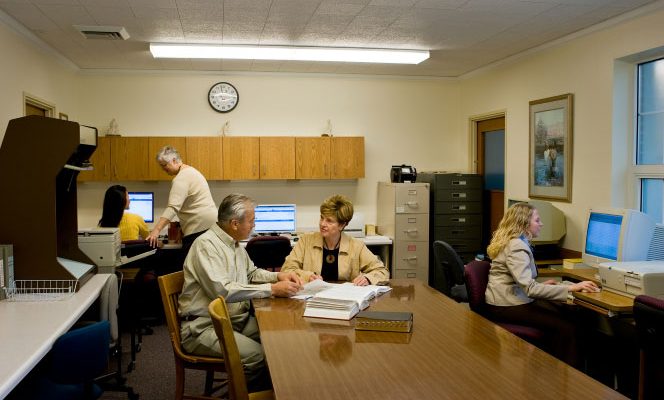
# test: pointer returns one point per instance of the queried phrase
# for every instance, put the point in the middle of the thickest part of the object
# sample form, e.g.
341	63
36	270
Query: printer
632	278
102	245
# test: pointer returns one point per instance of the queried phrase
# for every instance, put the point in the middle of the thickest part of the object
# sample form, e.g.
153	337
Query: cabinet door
205	154
312	158
129	158
241	157
101	162
277	155
155	143
347	157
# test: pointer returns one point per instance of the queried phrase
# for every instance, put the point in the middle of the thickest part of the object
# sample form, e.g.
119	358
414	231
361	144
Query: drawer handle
459	219
412	204
411	275
459	183
457	232
411	258
409	231
459	207
459	195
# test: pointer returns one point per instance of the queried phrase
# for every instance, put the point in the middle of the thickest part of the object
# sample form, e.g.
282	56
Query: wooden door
277	155
347	158
129	158
312	158
491	165
155	172
205	154
101	162
241	157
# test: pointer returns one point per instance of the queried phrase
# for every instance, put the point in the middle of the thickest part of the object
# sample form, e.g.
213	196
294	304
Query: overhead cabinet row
121	158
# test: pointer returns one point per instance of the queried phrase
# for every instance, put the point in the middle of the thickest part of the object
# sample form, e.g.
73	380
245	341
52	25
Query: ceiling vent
103	32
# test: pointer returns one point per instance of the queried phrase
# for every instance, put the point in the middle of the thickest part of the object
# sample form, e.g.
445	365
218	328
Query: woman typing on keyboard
514	296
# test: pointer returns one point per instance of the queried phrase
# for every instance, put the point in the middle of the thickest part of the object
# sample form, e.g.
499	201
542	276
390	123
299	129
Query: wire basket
40	290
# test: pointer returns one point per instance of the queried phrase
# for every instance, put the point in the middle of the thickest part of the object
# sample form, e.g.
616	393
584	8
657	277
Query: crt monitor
616	235
552	217
275	218
142	203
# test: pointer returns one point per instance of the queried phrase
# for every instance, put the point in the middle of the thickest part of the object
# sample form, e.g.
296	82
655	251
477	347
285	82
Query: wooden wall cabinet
241	158
277	155
129	158
155	143
347	157
312	158
205	154
101	162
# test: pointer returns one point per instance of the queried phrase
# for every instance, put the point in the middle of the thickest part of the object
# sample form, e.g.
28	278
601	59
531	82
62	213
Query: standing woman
514	296
332	255
116	201
189	199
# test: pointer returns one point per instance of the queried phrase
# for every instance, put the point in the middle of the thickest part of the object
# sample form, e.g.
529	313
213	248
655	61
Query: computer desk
605	302
29	329
452	352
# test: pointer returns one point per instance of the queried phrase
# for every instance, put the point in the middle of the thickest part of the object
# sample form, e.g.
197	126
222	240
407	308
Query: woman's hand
360	280
585	287
313	277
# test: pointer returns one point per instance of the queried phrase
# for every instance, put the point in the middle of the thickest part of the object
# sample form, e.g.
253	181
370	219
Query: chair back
237	383
477	278
649	319
170	287
269	252
448	272
80	355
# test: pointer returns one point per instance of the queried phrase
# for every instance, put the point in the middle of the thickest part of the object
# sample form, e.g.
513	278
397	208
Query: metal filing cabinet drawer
457	180
460	194
457	220
411	255
457	232
412	227
422	273
411	199
453	207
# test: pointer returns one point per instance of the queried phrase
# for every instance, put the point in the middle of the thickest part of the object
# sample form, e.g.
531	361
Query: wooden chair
237	383
170	287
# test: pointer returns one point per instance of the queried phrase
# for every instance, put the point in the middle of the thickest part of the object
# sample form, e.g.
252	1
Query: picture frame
550	154
63	116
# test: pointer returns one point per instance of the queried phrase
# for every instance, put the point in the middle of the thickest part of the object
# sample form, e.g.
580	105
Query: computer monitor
275	218
553	219
616	235
142	203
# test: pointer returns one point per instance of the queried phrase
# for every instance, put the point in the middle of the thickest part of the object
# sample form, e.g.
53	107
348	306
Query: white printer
632	278
102	245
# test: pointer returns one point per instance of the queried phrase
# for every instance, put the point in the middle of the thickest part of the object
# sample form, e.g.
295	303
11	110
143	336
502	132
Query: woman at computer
116	201
332	255
514	296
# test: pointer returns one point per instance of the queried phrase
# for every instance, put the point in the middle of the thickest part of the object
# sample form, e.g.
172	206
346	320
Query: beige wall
584	67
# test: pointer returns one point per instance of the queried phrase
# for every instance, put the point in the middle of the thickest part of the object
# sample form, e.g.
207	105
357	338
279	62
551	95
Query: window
650	138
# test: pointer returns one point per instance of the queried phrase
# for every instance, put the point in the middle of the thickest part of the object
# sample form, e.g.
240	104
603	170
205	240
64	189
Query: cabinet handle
412	204
411	258
459	195
459	219
411	275
459	183
409	231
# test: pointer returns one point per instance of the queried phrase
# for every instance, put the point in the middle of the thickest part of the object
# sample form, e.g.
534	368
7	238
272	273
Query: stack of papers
338	301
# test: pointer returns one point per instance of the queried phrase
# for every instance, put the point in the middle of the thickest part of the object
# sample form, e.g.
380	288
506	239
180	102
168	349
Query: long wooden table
451	353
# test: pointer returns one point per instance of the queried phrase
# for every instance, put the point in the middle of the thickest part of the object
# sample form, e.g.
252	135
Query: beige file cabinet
403	215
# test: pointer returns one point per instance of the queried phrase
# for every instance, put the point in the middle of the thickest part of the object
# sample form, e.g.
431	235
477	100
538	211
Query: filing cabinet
456	211
403	215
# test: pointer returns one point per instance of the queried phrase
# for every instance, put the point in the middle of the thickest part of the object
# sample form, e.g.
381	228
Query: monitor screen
603	235
277	218
142	203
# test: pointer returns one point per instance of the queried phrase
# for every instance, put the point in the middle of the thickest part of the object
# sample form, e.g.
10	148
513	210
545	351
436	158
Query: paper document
342	301
313	287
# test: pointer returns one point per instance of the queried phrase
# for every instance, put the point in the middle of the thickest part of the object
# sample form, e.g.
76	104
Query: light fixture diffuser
338	54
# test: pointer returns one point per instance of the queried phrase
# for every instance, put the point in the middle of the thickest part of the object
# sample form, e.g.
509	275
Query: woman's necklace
330	258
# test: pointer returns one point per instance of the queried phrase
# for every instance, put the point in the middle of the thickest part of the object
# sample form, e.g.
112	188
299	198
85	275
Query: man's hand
285	288
289	276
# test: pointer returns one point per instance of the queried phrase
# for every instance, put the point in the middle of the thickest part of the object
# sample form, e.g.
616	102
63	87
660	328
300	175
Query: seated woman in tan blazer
332	255
514	296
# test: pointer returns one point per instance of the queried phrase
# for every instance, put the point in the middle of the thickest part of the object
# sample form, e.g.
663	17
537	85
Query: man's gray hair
234	206
168	154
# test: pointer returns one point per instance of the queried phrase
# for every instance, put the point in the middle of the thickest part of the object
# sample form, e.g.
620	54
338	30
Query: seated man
218	265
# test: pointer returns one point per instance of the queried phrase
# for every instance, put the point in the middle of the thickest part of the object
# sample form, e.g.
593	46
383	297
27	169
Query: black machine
403	173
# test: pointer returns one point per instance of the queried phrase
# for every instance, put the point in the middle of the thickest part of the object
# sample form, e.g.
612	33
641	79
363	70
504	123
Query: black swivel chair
649	319
269	252
448	272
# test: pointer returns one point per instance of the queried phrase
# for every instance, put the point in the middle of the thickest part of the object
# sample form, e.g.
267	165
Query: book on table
338	301
388	321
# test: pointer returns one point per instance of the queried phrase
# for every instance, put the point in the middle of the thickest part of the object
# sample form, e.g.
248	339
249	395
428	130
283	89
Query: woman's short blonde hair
515	223
339	207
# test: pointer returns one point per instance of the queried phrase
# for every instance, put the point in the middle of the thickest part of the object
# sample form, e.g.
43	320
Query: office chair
448	272
649	318
237	383
477	278
269	252
170	287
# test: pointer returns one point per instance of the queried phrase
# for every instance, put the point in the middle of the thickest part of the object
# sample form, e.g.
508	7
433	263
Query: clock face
223	97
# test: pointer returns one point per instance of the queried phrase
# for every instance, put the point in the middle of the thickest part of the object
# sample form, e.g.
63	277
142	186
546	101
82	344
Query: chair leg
209	381
179	382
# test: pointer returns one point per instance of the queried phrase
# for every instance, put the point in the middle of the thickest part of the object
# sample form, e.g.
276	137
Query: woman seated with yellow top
131	226
332	255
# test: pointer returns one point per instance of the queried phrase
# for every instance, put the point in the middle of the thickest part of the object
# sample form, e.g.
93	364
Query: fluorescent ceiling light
169	50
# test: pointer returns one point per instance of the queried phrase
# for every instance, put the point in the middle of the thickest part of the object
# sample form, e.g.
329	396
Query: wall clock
223	97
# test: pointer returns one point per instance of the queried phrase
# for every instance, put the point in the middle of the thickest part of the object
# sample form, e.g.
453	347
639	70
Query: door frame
473	160
49	108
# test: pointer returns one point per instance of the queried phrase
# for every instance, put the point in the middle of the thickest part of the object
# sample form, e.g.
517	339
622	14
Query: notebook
341	301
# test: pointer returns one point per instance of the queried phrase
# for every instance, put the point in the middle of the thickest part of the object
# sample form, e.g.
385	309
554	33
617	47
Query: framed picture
550	167
63	116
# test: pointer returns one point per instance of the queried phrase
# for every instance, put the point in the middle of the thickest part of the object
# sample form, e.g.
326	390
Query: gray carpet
154	375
